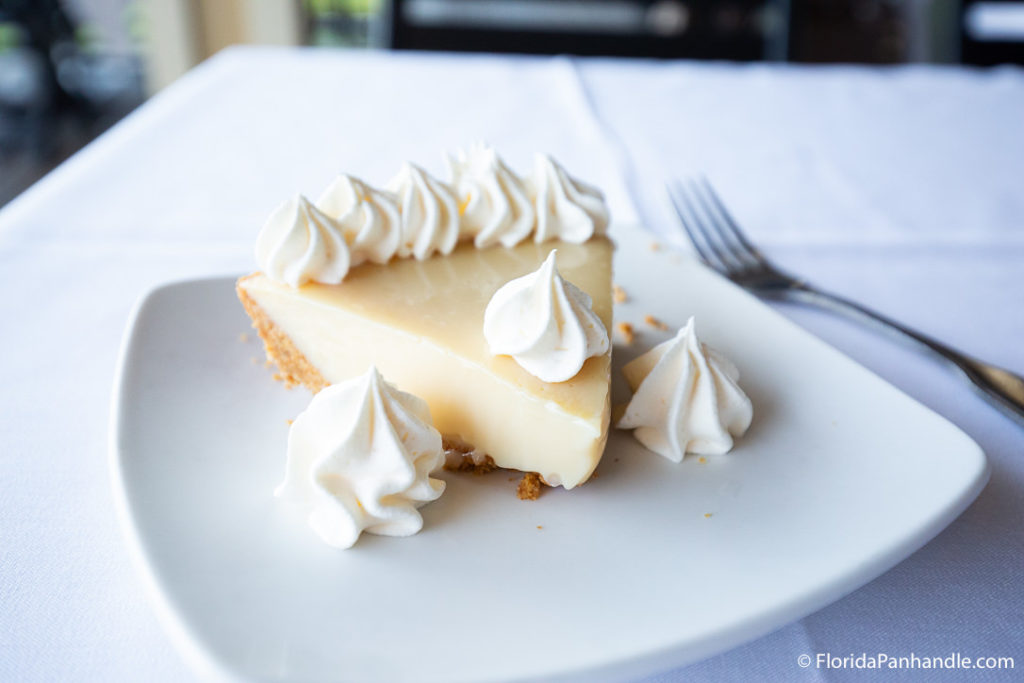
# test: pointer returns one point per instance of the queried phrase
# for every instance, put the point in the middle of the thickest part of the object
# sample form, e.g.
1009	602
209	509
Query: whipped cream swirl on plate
545	323
687	399
369	217
567	209
299	243
493	201
360	458
430	214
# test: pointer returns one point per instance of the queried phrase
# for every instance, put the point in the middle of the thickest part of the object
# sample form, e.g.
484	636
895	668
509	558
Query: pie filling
419	324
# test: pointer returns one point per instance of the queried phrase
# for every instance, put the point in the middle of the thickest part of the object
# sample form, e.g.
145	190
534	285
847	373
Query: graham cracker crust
463	462
292	366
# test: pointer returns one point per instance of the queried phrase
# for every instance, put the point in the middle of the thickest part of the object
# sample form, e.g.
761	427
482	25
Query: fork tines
714	233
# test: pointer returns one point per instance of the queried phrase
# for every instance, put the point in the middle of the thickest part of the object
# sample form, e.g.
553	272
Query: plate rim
197	655
208	664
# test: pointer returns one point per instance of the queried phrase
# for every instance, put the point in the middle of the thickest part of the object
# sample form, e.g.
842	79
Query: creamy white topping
567	209
545	323
493	201
299	243
418	215
369	218
430	214
687	399
360	459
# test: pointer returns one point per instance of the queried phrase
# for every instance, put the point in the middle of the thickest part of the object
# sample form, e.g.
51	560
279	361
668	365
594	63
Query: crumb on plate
654	322
529	486
627	332
619	294
289	382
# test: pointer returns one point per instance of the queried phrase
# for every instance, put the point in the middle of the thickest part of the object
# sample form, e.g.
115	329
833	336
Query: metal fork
721	244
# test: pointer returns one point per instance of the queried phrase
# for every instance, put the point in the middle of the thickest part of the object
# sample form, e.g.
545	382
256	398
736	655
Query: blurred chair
56	91
696	29
992	32
31	93
858	31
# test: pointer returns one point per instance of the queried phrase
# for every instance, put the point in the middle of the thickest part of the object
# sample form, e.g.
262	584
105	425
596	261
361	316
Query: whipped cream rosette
369	218
493	201
360	459
545	323
686	398
299	243
430	213
567	209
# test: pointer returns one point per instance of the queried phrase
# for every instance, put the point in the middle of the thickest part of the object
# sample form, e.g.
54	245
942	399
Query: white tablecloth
903	188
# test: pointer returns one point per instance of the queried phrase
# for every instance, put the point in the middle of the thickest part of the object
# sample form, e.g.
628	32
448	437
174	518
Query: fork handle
1002	388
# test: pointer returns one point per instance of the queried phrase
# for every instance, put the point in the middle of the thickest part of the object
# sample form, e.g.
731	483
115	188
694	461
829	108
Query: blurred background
71	68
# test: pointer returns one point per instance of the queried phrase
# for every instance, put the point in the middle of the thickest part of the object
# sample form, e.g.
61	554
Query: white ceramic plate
840	477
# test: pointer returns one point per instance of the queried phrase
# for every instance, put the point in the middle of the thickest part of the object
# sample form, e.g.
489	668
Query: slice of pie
420	323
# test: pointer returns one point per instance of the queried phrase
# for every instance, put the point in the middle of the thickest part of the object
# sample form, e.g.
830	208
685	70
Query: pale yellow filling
421	324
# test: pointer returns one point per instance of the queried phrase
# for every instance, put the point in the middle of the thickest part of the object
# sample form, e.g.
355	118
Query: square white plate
840	477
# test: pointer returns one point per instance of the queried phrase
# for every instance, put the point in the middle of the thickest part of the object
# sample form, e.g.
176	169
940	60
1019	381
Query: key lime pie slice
401	279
